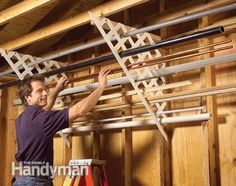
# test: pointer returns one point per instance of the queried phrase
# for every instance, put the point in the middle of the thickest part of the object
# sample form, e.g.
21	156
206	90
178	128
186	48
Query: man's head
32	91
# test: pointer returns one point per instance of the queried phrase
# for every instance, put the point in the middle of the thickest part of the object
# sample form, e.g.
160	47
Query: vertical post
9	114
3	104
165	160
127	133
94	134
68	151
213	144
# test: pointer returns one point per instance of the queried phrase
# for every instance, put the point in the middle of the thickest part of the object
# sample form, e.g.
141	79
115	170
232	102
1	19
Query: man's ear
27	98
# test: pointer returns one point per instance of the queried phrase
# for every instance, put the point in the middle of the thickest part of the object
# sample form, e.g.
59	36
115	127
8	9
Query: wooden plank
227	130
70	23
146	160
127	133
23	24
9	114
127	155
64	10
95	136
21	8
164	149
111	151
213	144
165	159
3	134
187	156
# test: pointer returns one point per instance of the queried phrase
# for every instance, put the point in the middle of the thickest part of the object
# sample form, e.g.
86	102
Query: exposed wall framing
197	153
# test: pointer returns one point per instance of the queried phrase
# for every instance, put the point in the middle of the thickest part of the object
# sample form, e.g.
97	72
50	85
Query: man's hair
26	88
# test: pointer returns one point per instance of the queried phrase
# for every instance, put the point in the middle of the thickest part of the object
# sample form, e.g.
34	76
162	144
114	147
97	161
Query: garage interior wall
140	156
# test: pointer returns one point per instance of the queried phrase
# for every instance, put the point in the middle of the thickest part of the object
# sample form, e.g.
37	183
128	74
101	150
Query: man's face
38	95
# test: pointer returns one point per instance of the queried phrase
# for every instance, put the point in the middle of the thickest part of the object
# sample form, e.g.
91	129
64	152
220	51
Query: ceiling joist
21	9
70	23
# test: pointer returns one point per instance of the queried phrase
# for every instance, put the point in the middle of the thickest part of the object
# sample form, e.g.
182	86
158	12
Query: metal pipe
161	72
172	41
183	53
152	62
120	125
160	59
102	59
81	64
183	19
193	65
84	88
60	54
170	97
166	98
161	100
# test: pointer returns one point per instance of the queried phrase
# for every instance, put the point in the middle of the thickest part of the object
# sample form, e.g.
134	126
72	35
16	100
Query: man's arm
62	82
88	103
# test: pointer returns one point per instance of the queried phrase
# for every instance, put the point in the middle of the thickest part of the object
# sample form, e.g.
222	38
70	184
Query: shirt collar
33	107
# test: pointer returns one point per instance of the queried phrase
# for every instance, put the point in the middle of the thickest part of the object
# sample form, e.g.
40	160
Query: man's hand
88	103
102	77
61	84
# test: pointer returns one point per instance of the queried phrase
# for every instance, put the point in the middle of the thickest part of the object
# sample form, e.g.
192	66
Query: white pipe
160	100
209	93
120	125
116	95
146	90
159	73
141	115
92	86
85	88
192	65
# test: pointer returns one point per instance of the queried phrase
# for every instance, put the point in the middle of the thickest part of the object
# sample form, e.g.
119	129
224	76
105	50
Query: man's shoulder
20	115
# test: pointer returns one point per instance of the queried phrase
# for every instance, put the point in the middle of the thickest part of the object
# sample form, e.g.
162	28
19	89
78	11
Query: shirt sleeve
55	121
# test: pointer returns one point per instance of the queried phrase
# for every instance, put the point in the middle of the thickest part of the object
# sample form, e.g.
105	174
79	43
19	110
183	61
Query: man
37	124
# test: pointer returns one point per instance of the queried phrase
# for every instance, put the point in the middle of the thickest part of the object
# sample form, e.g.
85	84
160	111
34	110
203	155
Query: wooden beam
95	135
9	114
70	23
165	146
59	12
127	149
2	134
21	9
213	144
